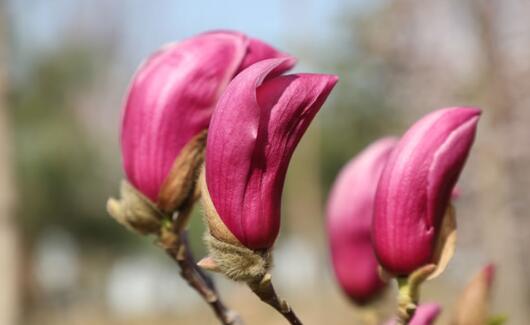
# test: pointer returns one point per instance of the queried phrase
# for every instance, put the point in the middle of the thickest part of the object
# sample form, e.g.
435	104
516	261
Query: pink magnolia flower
415	187
171	99
255	128
425	314
349	222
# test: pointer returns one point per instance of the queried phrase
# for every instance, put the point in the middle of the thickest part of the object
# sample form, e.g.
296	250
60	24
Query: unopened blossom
167	111
171	98
349	220
255	128
415	188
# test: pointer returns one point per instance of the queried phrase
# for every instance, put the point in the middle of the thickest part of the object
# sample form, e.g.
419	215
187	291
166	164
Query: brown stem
178	249
264	289
207	279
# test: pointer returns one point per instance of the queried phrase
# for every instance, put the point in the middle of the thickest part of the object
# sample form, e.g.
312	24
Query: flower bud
169	106
473	303
135	211
255	128
349	220
167	113
412	198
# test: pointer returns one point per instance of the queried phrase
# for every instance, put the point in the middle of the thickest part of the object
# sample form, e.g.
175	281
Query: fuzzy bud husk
181	181
445	242
135	211
231	258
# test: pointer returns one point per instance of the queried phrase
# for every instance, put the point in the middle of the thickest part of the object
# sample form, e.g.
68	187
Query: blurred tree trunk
472	52
506	231
8	235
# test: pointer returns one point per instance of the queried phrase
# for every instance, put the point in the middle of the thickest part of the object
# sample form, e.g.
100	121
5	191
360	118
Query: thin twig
180	222
264	289
191	261
178	249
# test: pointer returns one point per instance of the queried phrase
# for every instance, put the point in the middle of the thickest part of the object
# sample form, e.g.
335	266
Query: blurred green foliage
60	174
60	177
358	115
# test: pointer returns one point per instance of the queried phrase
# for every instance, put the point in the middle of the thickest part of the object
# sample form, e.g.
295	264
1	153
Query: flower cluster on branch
216	117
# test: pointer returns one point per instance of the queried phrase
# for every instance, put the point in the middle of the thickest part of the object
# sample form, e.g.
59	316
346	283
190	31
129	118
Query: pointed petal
416	185
258	50
170	100
255	128
208	264
172	97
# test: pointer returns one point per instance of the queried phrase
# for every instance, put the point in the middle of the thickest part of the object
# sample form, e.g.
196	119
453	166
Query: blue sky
141	26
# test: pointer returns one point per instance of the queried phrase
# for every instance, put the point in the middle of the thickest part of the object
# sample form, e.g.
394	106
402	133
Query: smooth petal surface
171	99
349	221
255	128
415	187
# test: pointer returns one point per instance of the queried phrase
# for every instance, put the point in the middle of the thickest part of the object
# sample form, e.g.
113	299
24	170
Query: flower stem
264	289
174	240
409	292
406	304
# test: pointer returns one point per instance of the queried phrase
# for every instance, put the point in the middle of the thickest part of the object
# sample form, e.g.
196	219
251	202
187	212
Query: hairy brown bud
179	186
135	211
227	254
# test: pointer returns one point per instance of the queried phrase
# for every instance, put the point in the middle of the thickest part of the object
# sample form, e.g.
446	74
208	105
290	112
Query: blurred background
65	66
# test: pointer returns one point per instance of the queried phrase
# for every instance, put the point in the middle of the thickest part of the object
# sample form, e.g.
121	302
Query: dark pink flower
255	128
349	221
171	99
416	185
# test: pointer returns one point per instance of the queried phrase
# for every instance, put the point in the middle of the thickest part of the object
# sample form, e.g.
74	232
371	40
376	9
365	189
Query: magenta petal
349	220
258	50
254	131
425	314
416	185
171	99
